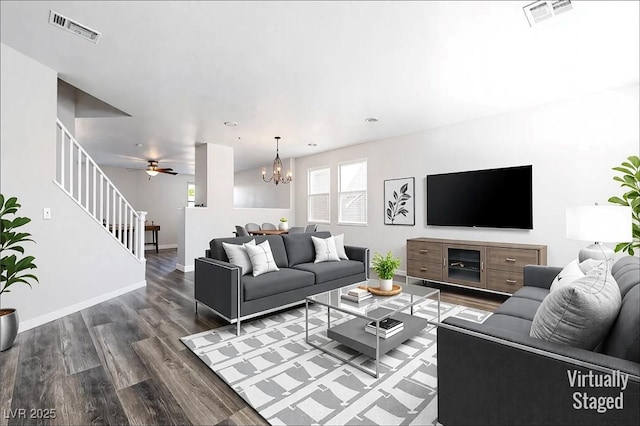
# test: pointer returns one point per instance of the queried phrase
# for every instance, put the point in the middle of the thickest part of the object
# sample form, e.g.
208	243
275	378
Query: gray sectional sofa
495	373
222	286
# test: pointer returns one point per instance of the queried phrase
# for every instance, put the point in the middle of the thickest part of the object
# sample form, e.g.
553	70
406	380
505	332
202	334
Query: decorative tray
376	290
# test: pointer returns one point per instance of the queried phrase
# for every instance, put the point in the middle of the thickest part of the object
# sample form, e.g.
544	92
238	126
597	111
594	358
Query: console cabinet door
464	265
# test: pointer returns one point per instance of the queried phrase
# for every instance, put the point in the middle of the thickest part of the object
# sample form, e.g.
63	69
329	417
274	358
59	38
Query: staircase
82	180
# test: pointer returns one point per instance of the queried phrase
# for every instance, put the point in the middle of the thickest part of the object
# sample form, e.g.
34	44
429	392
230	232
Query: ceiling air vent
542	10
67	24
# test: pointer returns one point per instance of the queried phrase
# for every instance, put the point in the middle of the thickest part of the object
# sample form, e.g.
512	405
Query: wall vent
542	10
67	24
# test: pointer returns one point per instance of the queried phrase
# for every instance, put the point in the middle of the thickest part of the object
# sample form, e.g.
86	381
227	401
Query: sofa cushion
533	293
519	307
579	314
623	340
261	258
275	241
329	271
325	249
237	254
300	248
285	279
507	322
339	240
626	271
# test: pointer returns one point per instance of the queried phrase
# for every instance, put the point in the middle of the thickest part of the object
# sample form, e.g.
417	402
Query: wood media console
496	267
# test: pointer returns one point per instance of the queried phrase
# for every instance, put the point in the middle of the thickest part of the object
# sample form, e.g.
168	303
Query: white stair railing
83	180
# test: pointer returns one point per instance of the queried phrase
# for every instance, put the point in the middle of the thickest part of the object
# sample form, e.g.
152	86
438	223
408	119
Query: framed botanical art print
399	202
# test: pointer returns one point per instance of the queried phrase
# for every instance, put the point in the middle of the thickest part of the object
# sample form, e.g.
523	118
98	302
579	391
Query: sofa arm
361	254
494	376
217	285
540	276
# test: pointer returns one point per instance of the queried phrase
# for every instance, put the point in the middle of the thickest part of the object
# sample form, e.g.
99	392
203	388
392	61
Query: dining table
267	232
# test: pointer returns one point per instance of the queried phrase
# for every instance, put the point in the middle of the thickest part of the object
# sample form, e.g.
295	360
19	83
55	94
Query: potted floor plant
630	181
15	265
385	267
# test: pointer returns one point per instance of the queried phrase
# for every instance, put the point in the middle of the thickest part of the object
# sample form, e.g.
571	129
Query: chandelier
277	176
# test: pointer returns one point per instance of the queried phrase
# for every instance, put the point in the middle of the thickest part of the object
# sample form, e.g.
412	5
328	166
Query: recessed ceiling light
312	144
371	120
139	144
230	123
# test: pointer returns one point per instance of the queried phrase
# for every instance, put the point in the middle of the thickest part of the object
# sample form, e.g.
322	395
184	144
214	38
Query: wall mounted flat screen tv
492	198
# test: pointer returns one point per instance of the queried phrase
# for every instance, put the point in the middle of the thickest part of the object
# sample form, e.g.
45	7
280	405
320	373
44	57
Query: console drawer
510	259
424	251
505	281
425	270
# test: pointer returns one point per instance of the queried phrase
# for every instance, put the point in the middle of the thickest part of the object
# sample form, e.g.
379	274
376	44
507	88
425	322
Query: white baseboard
161	247
51	316
185	268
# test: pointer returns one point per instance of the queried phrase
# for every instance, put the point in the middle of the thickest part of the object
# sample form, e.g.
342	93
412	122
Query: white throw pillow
339	240
579	314
325	249
237	254
569	274
261	258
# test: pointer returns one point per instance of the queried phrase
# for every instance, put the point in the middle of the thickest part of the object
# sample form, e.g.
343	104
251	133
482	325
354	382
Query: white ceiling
311	72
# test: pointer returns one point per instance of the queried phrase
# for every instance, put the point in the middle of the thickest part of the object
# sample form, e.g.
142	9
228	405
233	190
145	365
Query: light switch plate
46	213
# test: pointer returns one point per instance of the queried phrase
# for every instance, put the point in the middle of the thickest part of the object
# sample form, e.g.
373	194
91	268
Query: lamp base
597	251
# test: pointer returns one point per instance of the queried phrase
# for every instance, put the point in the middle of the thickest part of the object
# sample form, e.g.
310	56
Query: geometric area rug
291	383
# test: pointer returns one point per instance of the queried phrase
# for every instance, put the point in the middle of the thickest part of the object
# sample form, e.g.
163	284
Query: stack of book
388	327
357	295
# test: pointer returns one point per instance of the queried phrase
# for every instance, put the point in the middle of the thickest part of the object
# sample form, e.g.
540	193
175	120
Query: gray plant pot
8	329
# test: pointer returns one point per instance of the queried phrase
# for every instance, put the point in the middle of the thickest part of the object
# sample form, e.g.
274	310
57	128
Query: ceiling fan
153	169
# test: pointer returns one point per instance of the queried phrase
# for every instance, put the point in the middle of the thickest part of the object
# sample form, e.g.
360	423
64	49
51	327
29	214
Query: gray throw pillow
581	313
237	254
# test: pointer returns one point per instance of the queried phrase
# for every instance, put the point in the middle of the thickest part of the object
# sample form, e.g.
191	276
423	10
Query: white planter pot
8	329
283	226
385	285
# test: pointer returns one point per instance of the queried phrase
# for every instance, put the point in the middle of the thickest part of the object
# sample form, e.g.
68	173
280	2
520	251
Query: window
191	194
319	189
353	193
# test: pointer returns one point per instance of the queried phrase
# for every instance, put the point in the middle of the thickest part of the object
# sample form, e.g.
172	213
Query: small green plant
283	219
13	267
385	267
630	180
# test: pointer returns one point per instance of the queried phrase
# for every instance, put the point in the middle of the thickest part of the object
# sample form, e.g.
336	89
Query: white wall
250	191
161	197
67	106
199	225
78	263
572	145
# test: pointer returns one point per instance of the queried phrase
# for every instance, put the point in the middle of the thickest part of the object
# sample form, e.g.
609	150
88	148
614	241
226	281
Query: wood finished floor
120	362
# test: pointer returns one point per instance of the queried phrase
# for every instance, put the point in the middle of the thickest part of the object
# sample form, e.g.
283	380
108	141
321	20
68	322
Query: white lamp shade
152	172
599	223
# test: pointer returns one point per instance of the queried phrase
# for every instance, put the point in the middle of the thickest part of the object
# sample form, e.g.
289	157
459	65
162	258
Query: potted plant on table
15	265
385	267
284	224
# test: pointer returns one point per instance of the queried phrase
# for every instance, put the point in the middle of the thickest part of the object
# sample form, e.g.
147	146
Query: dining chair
311	228
296	230
269	226
252	227
241	231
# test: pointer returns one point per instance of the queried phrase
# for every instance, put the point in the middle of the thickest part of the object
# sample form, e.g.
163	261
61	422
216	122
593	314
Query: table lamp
599	224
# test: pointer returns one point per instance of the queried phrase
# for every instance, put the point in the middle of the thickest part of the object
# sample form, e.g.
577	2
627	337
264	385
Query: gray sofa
494	373
218	282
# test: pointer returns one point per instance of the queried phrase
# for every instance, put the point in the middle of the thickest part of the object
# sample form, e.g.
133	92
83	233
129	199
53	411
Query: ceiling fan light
152	172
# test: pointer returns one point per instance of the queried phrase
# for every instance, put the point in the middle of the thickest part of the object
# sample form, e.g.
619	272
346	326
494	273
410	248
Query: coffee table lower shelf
351	333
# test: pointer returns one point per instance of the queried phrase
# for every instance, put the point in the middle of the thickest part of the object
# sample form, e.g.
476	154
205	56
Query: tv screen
493	198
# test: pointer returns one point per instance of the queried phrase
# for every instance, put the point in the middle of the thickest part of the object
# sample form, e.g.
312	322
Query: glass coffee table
351	331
